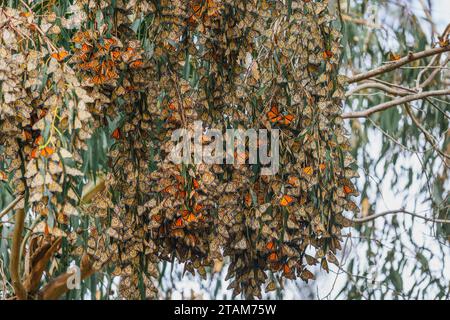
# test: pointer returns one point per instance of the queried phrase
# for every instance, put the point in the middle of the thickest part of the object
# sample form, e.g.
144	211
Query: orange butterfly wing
347	190
270	245
274	114
116	134
179	223
308	171
288	119
273	257
286	200
47	152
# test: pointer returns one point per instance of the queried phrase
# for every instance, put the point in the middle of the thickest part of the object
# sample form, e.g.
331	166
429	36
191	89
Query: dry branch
380	86
382	214
395	102
399	63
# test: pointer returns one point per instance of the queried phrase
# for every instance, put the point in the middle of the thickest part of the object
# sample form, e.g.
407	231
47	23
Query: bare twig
374	85
433	74
393	103
382	214
429	17
428	136
361	21
399	63
422	72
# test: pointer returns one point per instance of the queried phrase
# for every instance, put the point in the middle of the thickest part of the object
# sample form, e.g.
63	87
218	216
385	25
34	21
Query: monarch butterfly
177	233
178	224
308	171
190	217
180	179
348	190
78	38
274	116
27	135
34	153
46	229
286	200
270	245
248	199
197	8
25	14
272	286
47	152
294	181
322	166
198	207
85	47
307	275
116	134
99	79
136	64
327	54
191	240
273	257
443	42
111	74
42	113
286	269
116	223
394	56
115	55
60	55
172	106
196	184
288	119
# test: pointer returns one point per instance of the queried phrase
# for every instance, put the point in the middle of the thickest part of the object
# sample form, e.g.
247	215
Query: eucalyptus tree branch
14	264
375	85
422	72
399	63
398	86
364	22
393	103
428	136
382	214
429	17
433	74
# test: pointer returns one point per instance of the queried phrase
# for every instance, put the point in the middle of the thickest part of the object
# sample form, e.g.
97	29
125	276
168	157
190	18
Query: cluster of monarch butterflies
42	108
256	64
